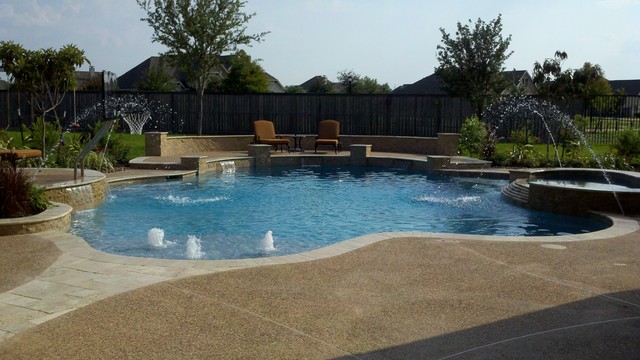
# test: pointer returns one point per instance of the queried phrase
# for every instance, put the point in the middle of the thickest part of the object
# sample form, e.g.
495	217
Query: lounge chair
265	133
328	134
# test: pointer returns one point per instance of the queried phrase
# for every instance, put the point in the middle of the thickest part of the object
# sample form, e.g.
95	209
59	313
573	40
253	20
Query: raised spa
581	191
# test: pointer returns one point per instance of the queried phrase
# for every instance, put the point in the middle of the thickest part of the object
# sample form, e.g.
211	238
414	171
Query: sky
392	41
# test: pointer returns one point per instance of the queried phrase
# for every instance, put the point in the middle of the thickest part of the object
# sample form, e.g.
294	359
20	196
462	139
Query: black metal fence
599	119
399	115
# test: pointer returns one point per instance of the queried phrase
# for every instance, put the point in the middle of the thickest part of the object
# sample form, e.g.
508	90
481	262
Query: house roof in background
631	87
128	80
430	85
433	84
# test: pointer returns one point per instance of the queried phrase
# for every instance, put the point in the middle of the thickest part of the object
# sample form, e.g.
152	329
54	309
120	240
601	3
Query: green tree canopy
368	85
45	74
551	81
471	63
356	84
555	83
349	79
197	32
589	81
245	76
294	89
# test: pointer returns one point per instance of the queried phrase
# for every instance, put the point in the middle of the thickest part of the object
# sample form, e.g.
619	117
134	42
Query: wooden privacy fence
401	115
386	115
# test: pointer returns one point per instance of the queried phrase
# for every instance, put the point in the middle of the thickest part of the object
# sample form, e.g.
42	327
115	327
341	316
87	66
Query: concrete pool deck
390	295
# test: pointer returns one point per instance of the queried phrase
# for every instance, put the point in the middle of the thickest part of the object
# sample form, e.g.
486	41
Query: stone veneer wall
444	144
159	144
579	202
80	197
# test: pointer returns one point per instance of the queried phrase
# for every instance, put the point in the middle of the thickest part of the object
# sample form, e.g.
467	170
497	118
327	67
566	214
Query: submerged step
516	192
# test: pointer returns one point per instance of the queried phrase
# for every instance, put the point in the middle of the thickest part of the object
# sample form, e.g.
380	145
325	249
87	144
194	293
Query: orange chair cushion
328	129
266	134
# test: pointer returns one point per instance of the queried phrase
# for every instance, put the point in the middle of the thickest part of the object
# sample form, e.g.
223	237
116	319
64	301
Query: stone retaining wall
56	217
80	197
160	144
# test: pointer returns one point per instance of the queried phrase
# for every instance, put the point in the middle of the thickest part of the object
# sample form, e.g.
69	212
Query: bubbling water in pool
267	242
194	248
155	238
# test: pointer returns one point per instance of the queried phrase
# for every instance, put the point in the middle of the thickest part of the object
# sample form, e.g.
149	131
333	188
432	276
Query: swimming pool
228	216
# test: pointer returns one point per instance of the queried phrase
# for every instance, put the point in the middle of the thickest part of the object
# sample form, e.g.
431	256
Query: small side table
297	143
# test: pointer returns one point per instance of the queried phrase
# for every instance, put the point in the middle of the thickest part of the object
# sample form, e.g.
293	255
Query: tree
294	89
45	74
563	85
367	85
471	64
245	76
349	79
589	81
551	81
356	84
197	32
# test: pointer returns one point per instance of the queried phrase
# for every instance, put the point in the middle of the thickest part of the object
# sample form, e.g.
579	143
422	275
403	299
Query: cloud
28	13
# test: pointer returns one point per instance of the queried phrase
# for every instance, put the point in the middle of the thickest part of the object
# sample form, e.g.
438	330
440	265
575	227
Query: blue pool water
305	208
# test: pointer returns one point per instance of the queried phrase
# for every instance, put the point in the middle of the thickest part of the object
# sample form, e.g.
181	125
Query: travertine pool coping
78	247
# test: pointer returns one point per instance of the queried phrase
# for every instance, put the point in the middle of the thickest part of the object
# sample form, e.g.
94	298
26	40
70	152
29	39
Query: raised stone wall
80	197
159	144
572	200
56	217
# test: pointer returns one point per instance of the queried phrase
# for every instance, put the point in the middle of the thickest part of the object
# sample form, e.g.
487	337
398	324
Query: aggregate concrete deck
390	295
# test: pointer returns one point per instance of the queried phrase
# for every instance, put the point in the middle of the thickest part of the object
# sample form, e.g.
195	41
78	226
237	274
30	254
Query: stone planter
56	217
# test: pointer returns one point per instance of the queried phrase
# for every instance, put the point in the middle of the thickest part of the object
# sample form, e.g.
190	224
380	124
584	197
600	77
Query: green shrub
52	133
580	122
524	155
473	135
18	196
610	161
6	140
523	137
627	143
67	155
116	148
499	159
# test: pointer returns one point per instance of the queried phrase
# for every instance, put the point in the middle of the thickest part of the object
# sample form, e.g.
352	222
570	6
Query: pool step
517	191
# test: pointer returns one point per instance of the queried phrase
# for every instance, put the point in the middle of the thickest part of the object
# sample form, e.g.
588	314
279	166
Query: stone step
517	191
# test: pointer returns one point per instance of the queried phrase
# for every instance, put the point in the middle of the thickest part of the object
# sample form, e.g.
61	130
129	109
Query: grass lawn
136	142
599	150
